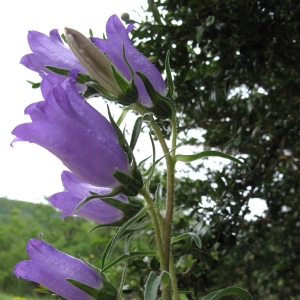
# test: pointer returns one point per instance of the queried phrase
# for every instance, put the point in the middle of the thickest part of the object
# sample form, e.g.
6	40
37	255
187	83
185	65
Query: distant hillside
26	208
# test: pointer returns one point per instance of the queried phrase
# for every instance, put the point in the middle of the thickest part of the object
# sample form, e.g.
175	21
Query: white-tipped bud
93	60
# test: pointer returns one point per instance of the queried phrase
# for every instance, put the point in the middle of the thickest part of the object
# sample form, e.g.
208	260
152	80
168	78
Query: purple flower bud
117	36
50	268
67	126
95	210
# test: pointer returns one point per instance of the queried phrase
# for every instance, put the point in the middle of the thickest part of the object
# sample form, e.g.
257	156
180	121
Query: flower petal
51	268
117	37
77	190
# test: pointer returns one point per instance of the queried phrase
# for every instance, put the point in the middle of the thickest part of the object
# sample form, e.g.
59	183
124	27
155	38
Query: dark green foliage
236	66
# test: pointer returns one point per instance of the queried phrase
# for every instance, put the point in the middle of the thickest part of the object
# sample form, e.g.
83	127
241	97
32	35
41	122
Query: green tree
236	69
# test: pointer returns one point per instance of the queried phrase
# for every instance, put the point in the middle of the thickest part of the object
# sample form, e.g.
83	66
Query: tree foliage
236	71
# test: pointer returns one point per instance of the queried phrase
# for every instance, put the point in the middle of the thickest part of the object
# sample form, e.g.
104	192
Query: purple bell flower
71	129
95	210
51	51
50	268
117	36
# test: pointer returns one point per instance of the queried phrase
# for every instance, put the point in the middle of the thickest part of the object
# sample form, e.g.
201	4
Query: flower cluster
88	144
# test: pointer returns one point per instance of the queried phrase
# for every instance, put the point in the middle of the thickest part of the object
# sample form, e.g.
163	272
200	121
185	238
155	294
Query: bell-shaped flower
71	129
51	51
51	268
94	210
117	38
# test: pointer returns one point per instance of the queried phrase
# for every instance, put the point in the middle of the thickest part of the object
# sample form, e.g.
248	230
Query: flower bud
93	60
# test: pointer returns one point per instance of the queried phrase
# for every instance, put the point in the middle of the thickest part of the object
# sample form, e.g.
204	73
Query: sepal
134	182
170	83
129	210
108	292
163	107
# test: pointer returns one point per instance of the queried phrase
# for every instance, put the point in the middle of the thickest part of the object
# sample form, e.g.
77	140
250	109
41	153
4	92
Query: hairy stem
156	225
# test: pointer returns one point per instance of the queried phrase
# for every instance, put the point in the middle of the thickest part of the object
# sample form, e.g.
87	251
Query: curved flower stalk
75	132
51	268
95	210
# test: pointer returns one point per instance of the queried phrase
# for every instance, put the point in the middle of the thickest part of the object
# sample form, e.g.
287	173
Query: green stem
173	279
166	238
174	135
170	163
156	225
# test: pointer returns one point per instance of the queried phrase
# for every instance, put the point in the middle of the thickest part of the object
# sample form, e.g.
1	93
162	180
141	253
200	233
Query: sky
29	172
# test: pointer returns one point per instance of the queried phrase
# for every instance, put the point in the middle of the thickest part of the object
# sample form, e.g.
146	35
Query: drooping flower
67	126
50	268
95	210
117	36
51	51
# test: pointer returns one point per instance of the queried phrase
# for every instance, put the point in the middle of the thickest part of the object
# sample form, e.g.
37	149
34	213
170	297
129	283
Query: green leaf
170	83
136	132
209	20
121	286
141	163
131	254
199	34
101	90
119	233
81	78
194	236
163	106
153	282
152	7
152	168
123	114
86	288
158	195
232	290
34	85
118	131
190	158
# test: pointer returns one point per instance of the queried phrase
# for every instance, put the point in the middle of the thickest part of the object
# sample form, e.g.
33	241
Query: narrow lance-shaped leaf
232	290
136	132
131	254
80	78
119	233
194	236
170	83
192	157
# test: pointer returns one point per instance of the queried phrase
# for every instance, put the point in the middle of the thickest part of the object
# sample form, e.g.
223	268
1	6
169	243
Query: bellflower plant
105	177
51	268
95	210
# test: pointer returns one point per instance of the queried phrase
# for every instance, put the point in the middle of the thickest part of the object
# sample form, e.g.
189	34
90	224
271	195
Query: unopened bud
93	60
